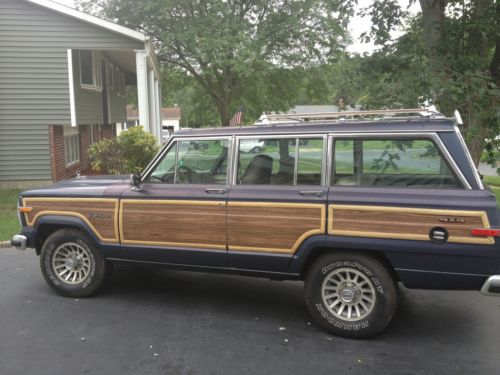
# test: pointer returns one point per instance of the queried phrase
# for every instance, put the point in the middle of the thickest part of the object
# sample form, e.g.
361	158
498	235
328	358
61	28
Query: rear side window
413	163
280	161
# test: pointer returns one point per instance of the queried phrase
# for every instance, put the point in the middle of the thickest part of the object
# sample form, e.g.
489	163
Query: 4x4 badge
451	220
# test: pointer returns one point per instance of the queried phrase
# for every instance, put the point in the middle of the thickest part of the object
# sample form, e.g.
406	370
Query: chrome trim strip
176	162
329	160
296	166
235	161
469	158
444	151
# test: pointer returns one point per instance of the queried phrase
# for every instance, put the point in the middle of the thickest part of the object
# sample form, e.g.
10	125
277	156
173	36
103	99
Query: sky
357	26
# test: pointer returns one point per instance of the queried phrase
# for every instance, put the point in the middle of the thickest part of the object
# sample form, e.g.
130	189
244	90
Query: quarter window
280	161
193	162
391	162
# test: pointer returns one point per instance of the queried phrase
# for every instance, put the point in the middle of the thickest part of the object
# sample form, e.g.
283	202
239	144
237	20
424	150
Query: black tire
92	274
341	276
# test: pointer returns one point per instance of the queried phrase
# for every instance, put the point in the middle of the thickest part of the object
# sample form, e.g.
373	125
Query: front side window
90	77
280	161
391	162
193	162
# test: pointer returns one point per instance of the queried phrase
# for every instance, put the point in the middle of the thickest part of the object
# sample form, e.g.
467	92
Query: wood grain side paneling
405	223
100	214
175	223
273	227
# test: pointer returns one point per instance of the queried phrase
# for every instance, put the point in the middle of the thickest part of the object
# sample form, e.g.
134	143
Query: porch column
152	104
158	105
142	89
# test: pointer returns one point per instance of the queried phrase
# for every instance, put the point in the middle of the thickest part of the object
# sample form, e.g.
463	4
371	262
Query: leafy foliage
130	152
231	47
460	43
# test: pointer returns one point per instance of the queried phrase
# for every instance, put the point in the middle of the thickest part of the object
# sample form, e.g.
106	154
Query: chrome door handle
215	191
312	193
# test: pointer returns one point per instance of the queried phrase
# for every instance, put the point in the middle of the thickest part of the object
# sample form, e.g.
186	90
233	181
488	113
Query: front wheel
71	264
350	295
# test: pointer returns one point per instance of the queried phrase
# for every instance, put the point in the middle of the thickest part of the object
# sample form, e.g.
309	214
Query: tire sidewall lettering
348	326
353	264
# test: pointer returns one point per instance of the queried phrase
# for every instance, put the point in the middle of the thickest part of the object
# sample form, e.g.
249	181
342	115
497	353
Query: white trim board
90	19
72	106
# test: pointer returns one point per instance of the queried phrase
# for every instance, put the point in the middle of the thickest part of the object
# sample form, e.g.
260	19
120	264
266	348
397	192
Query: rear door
277	200
179	216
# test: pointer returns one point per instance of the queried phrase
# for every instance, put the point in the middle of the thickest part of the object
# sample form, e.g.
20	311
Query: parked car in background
352	207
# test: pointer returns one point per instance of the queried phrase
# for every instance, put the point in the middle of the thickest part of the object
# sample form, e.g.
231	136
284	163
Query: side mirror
135	181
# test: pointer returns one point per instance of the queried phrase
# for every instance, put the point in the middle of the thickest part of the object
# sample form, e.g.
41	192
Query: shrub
130	152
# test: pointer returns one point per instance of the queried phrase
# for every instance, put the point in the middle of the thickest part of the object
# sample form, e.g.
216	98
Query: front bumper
19	241
492	286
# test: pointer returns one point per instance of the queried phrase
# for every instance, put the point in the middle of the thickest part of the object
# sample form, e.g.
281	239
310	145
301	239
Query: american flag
238	117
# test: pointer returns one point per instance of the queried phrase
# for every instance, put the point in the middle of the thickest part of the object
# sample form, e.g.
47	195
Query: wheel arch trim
66	221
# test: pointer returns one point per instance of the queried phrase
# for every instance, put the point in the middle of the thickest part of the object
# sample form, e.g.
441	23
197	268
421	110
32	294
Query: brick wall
56	137
108	131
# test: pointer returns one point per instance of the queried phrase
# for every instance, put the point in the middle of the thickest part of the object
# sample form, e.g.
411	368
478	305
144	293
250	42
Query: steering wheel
185	173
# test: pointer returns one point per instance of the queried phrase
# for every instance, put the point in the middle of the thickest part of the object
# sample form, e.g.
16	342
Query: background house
171	118
63	75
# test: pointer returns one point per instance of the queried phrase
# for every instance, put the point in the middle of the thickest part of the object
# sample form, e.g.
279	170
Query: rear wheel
350	295
71	264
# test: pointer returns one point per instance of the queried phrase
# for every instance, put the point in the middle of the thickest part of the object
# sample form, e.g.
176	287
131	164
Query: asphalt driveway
156	321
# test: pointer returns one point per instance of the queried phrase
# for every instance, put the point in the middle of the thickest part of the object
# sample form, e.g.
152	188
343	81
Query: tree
462	50
224	44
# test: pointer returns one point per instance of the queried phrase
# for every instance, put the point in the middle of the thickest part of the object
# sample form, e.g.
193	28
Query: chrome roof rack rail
384	113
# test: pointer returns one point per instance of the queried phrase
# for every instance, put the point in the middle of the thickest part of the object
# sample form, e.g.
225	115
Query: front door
179	216
277	201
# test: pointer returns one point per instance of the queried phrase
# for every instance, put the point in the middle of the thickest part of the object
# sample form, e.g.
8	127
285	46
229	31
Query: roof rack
318	116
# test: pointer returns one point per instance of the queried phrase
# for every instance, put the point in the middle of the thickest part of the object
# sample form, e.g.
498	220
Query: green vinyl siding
34	85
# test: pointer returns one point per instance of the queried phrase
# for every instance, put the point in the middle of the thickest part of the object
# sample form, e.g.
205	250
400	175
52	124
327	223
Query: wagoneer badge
452	220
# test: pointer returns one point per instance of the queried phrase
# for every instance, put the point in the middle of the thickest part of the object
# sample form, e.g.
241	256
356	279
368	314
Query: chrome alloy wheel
348	294
71	263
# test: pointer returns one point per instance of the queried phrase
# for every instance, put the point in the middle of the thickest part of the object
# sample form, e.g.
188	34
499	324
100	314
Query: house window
71	145
90	77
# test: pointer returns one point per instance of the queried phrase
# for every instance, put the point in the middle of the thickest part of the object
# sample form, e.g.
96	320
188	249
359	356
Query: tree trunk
495	62
433	18
223	108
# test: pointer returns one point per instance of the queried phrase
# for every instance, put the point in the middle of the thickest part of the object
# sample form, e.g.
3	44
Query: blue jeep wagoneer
349	203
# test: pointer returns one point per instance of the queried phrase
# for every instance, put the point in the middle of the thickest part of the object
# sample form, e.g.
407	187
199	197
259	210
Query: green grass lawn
494	183
9	223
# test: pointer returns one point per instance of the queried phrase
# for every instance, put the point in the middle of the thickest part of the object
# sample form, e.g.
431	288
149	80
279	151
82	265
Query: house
63	75
171	117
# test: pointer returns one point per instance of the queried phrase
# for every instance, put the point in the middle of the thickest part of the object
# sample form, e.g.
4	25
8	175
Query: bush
130	152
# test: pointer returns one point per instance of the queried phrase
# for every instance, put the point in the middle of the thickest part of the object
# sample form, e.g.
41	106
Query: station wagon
352	203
